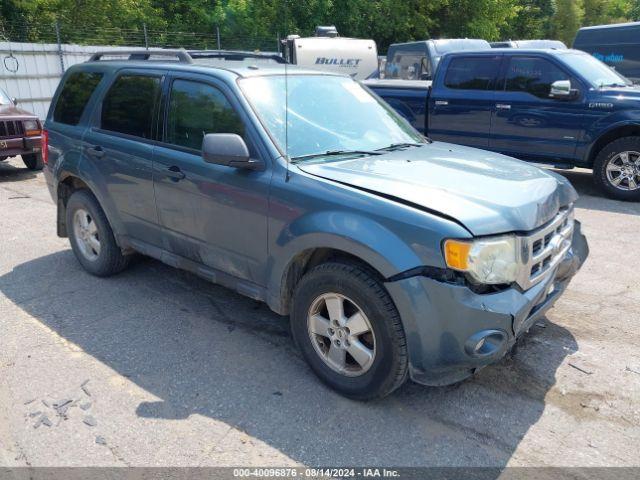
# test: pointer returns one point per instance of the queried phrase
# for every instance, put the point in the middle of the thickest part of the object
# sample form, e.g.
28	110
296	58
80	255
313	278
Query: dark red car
20	133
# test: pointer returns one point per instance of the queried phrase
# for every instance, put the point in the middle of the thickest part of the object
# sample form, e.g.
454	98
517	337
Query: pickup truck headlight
490	260
31	127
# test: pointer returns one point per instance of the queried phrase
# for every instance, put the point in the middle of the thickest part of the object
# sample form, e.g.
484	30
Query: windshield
594	71
326	114
4	98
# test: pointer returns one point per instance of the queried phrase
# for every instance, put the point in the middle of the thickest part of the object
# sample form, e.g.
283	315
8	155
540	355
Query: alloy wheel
86	234
341	334
623	171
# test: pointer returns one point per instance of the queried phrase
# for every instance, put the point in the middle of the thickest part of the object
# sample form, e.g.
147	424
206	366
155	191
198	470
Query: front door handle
503	106
174	173
441	103
96	151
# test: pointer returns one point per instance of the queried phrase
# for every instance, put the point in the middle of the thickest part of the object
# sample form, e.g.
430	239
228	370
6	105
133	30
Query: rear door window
195	109
472	73
130	105
75	94
407	65
532	75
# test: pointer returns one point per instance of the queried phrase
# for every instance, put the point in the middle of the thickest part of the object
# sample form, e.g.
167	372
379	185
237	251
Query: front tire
349	331
616	169
33	161
91	237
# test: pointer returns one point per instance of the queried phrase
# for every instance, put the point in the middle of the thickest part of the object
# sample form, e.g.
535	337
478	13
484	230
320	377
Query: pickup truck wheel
349	331
617	169
91	237
33	161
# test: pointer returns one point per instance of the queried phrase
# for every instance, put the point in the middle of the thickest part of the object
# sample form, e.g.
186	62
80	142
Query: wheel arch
365	243
619	131
306	260
70	182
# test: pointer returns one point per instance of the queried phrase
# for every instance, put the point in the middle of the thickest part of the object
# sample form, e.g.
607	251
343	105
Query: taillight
45	147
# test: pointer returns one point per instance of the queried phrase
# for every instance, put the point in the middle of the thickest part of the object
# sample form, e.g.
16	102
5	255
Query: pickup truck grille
11	128
544	248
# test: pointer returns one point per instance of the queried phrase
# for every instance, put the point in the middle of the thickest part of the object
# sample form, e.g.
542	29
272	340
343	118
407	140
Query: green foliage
567	19
599	12
532	21
255	23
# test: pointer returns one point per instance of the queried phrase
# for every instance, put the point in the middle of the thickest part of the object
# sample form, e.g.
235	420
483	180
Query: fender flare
353	234
86	173
602	134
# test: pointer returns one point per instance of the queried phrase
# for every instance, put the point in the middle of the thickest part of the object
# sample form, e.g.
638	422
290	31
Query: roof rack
235	55
180	54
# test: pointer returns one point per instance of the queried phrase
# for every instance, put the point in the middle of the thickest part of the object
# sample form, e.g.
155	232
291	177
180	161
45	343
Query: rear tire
91	237
353	313
33	161
616	169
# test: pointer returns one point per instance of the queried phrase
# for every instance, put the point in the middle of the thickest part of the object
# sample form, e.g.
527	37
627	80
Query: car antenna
286	96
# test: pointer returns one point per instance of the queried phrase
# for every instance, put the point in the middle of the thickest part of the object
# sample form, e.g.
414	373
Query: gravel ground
155	367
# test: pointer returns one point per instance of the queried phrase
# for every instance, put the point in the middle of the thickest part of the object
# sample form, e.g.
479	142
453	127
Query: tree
475	18
532	22
567	20
254	24
602	12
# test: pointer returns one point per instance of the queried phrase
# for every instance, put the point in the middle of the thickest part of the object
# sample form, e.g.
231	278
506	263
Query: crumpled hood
487	192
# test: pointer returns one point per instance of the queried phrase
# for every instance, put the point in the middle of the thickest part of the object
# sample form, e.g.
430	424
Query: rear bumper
445	323
10	147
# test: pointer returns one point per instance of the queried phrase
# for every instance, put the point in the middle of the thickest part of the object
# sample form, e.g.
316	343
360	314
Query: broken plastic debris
89	420
587	372
43	420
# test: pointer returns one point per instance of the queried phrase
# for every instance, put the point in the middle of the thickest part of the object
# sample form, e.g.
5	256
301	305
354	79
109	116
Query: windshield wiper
334	153
397	146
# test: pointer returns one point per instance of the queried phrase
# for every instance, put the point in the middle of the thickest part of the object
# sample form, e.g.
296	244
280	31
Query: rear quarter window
75	94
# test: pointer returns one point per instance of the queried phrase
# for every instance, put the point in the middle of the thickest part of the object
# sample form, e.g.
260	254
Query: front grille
544	248
11	128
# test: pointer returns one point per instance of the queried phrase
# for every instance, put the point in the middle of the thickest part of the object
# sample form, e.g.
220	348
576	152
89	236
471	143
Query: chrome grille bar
543	249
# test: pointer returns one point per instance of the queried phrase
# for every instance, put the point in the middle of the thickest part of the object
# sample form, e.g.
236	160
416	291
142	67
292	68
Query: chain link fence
33	56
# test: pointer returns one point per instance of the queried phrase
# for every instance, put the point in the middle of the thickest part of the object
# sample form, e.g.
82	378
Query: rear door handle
442	103
503	106
96	151
174	173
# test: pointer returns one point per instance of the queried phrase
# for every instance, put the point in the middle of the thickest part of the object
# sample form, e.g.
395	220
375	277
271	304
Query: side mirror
14	100
228	149
561	89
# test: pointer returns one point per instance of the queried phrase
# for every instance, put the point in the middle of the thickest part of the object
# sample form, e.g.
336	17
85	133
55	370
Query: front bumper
444	322
10	147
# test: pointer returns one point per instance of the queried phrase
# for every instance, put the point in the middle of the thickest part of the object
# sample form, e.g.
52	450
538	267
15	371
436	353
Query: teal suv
395	257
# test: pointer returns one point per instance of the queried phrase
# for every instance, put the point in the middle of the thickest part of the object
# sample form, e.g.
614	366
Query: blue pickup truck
561	107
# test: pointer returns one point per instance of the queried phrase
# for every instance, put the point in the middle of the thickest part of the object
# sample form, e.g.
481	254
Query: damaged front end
452	330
